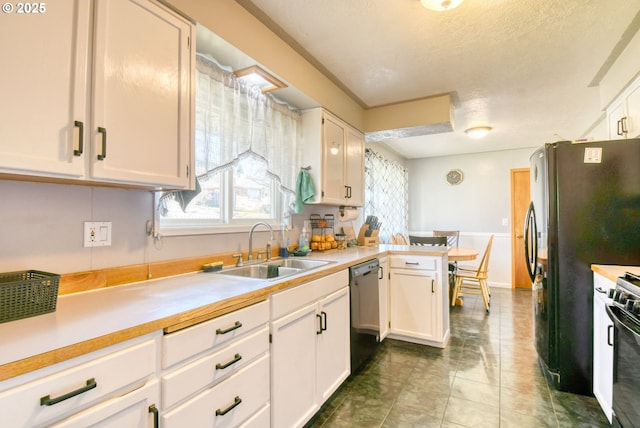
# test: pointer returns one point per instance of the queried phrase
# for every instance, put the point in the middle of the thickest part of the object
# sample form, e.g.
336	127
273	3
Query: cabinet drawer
182	383
191	341
113	374
414	262
131	410
262	419
227	404
291	299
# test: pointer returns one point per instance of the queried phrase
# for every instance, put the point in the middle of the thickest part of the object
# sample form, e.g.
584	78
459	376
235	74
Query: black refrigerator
585	209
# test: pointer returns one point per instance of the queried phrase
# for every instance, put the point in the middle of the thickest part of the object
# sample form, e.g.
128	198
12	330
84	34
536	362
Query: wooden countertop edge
612	272
181	320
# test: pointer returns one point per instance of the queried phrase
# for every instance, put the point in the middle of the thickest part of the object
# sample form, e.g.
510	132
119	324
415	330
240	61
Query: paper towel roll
348	214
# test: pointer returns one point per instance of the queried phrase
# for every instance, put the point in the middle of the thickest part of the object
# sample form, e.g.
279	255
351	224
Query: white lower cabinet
227	404
216	374
112	387
310	349
417	300
602	345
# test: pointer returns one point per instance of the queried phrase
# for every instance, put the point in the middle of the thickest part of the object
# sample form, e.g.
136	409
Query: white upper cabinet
43	82
624	113
120	115
141	93
335	152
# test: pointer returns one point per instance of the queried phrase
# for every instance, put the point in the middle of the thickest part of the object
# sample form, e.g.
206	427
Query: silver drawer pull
235	359
236	403
48	401
235	326
412	263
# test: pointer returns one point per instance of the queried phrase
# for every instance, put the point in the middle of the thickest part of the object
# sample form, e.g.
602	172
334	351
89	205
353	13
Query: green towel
305	190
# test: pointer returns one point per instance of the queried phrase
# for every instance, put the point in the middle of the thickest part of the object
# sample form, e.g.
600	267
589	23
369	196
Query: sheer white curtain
235	120
386	194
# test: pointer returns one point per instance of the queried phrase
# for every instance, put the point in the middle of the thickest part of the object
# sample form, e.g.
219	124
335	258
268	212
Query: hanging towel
305	190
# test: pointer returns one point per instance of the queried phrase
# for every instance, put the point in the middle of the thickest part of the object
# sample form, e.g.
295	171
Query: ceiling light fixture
440	5
259	77
478	132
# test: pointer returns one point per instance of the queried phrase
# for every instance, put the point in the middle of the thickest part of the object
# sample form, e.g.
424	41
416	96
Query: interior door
520	198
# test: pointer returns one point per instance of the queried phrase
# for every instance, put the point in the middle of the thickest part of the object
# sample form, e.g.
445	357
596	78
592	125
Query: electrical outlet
505	221
97	234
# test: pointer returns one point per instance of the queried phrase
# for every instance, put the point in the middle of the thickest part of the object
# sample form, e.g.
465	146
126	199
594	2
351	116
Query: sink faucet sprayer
251	238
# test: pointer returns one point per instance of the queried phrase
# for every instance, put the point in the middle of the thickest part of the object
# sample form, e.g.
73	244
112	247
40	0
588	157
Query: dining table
461	254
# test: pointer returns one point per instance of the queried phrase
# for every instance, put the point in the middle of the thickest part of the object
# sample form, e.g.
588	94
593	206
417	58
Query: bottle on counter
303	242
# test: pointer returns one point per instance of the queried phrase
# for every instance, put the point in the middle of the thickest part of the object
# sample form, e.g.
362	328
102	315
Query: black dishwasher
365	312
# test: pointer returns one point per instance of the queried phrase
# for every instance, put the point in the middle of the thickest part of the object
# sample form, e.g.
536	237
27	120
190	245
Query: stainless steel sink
285	267
260	271
303	264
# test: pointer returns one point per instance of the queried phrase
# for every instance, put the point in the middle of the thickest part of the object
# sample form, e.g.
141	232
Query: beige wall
233	23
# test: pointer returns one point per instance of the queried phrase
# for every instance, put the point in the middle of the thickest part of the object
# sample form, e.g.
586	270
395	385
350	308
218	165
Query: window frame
226	224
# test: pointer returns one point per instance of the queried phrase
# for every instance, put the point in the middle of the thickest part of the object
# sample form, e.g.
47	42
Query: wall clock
454	177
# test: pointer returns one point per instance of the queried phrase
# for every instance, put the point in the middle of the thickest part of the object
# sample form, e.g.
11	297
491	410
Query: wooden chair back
428	240
483	267
453	236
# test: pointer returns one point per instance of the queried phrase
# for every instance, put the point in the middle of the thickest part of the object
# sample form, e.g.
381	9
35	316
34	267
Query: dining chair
473	280
399	239
453	236
428	240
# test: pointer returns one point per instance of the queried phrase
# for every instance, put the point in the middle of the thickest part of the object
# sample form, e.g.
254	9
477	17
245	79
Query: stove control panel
627	293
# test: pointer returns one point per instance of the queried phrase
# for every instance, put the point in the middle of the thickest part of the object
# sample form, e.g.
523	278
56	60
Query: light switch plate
97	233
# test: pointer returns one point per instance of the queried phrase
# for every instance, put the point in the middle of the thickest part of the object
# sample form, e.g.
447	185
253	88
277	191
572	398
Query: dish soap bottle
303	243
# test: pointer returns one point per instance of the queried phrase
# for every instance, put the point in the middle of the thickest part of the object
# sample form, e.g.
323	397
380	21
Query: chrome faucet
251	238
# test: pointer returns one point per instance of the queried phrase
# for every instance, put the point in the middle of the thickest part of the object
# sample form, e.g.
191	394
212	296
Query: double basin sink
276	268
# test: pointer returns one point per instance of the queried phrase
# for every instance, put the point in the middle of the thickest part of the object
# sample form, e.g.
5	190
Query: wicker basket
27	293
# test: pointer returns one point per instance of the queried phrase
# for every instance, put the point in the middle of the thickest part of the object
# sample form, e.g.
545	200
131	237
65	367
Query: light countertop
87	321
612	272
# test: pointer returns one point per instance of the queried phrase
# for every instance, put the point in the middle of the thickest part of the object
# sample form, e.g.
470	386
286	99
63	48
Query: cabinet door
43	86
141	94
633	112
333	154
383	295
615	115
413	303
334	358
136	409
355	168
602	356
293	367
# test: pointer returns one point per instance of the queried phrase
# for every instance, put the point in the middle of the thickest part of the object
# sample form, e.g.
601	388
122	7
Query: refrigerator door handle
531	241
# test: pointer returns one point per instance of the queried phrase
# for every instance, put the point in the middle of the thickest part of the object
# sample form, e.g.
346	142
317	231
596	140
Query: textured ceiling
528	68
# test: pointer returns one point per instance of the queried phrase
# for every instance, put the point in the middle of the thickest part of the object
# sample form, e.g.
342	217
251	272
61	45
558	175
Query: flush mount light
259	77
478	132
440	5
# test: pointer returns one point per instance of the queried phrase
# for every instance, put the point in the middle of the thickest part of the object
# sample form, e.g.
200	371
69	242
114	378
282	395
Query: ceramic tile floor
488	376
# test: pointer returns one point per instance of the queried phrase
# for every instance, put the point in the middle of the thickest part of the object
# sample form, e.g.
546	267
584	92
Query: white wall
476	207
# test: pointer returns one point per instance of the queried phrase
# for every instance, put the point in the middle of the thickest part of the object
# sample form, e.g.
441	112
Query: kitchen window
246	158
